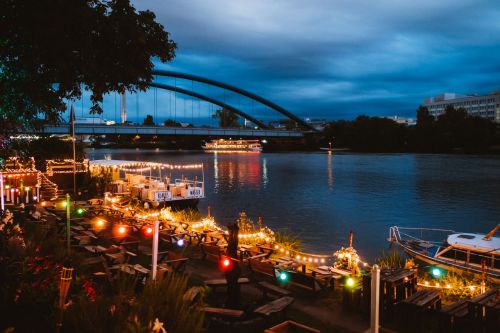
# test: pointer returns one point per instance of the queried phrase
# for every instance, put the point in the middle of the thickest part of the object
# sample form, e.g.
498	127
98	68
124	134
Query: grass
391	259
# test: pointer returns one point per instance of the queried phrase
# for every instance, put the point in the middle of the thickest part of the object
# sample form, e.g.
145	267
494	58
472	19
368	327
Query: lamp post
375	299
154	264
68	220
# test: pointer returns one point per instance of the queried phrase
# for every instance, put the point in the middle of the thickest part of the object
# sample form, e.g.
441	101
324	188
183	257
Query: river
320	197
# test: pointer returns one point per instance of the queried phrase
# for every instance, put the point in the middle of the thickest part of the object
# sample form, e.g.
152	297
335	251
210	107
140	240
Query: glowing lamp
226	263
99	223
350	282
80	211
43	203
436	272
180	242
122	230
64	203
283	276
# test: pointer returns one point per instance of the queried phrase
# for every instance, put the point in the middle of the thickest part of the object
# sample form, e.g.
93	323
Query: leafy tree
227	118
424	118
50	49
171	123
149	120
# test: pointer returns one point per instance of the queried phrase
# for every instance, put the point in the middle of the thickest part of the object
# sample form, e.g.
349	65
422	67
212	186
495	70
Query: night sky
328	58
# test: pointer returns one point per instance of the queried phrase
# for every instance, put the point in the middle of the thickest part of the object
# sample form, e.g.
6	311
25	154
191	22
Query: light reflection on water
321	197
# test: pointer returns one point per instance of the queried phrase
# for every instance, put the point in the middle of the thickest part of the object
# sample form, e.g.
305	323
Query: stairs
48	189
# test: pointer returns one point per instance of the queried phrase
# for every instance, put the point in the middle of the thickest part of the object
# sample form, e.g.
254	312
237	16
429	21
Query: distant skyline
336	59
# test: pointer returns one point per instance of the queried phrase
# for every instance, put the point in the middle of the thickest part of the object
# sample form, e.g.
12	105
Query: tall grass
391	259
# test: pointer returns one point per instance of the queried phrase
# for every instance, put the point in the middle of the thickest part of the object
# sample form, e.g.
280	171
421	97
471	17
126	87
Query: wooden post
155	249
375	299
234	272
68	221
261	224
350	238
208	211
483	276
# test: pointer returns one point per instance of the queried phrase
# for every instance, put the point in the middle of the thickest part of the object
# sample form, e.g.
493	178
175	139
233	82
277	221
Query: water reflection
330	170
235	171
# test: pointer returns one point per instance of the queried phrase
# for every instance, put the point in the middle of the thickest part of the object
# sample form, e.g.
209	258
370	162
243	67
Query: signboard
159	196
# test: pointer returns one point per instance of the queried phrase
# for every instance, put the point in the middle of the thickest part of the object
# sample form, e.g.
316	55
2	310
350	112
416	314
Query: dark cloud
336	58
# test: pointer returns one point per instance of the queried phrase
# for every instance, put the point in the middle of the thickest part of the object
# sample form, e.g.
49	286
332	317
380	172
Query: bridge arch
234	89
211	100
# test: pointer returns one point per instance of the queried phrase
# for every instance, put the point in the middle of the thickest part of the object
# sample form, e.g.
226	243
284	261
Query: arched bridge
237	90
263	130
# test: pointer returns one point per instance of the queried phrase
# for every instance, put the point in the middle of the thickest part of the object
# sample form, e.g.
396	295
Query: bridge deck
82	129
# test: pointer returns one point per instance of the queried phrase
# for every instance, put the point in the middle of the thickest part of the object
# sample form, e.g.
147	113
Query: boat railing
397	234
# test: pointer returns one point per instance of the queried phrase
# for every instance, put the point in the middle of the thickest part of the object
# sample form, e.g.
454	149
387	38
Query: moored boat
222	145
460	252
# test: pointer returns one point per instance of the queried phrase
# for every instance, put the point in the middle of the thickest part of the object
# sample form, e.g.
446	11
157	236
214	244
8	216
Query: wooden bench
425	299
454	314
276	306
262	268
290	326
303	281
222	312
211	252
176	262
214	284
272	289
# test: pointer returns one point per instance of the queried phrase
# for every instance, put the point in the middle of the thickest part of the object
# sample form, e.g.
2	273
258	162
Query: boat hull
450	265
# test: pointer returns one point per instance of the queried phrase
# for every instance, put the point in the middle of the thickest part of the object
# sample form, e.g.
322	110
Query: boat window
455	254
466	236
476	258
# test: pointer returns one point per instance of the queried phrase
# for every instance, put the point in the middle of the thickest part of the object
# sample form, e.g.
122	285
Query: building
402	120
486	106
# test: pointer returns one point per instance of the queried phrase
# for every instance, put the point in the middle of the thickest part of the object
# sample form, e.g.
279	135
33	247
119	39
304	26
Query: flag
72	122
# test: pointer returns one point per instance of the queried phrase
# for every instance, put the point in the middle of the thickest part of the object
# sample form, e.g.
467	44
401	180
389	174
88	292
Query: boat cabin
472	249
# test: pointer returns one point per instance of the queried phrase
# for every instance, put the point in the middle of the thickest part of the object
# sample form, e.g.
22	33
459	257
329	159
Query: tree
149	120
227	118
171	123
50	49
424	118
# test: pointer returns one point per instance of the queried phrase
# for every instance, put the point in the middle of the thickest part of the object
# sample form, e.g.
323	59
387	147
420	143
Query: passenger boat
154	184
222	145
456	251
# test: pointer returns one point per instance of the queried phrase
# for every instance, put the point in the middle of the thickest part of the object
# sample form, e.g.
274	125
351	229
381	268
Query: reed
391	259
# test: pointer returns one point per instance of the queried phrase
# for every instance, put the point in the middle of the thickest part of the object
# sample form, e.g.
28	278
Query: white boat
222	145
456	251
